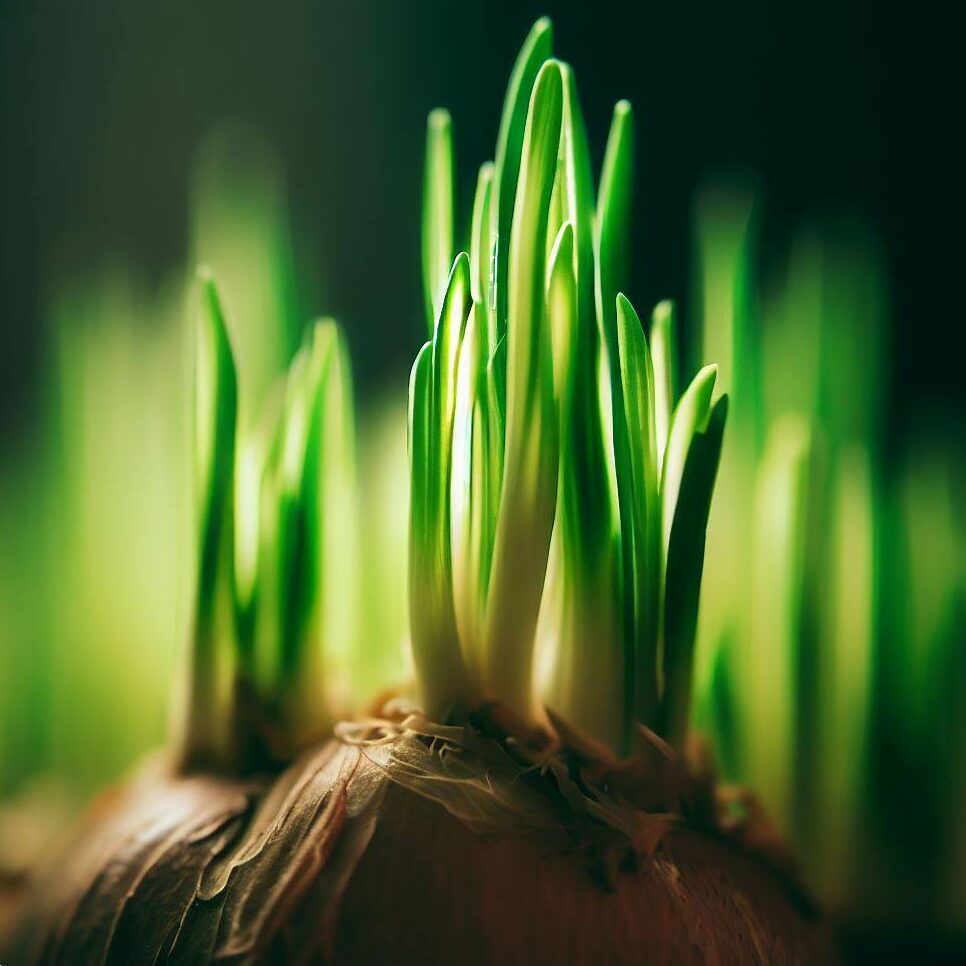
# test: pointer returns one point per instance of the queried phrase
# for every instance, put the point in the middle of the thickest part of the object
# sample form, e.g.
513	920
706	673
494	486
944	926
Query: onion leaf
206	736
685	562
536	50
439	662
665	365
529	489
438	207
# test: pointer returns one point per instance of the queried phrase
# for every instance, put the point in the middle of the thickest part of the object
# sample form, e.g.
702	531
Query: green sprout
268	635
559	487
216	414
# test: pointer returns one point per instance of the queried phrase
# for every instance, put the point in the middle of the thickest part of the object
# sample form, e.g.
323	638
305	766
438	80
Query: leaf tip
542	27
663	313
439	121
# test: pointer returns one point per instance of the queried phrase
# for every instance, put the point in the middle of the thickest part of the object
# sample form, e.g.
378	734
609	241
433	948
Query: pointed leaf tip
439	119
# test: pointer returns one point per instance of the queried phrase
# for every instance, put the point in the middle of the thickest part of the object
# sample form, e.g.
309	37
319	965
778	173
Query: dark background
838	106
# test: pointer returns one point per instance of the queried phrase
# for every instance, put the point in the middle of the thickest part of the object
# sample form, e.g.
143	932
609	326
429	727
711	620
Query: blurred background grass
794	183
104	104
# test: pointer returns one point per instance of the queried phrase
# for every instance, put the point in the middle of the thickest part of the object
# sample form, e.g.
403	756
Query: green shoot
438	206
469	505
639	424
216	405
481	250
615	202
583	591
432	399
684	565
303	565
529	490
690	417
665	365
536	49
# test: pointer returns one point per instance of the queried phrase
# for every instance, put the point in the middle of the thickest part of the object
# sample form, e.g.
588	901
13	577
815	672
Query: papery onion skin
332	862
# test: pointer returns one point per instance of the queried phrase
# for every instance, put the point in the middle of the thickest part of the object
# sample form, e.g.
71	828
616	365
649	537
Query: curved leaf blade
685	563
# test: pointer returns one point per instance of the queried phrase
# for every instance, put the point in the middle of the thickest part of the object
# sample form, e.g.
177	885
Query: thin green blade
664	356
438	211
614	220
467	486
436	648
536	49
637	380
481	242
206	737
690	417
685	562
531	463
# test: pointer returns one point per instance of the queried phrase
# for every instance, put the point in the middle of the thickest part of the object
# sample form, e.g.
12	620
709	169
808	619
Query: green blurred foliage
97	548
95	537
831	669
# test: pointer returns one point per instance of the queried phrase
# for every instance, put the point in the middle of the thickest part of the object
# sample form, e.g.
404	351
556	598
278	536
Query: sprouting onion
560	489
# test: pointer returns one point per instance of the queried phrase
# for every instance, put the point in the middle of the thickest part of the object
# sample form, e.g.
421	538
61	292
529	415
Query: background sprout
794	631
107	506
545	533
381	657
802	638
110	487
918	728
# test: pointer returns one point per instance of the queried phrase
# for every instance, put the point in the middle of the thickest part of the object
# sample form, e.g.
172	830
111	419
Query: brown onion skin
331	862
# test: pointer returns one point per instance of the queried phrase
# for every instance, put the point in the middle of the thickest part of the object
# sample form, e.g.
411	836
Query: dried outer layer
199	869
354	856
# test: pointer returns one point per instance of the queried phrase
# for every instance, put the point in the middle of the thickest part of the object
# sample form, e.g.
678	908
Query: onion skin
332	862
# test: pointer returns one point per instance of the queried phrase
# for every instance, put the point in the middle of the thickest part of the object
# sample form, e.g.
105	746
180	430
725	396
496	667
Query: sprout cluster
560	486
273	532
